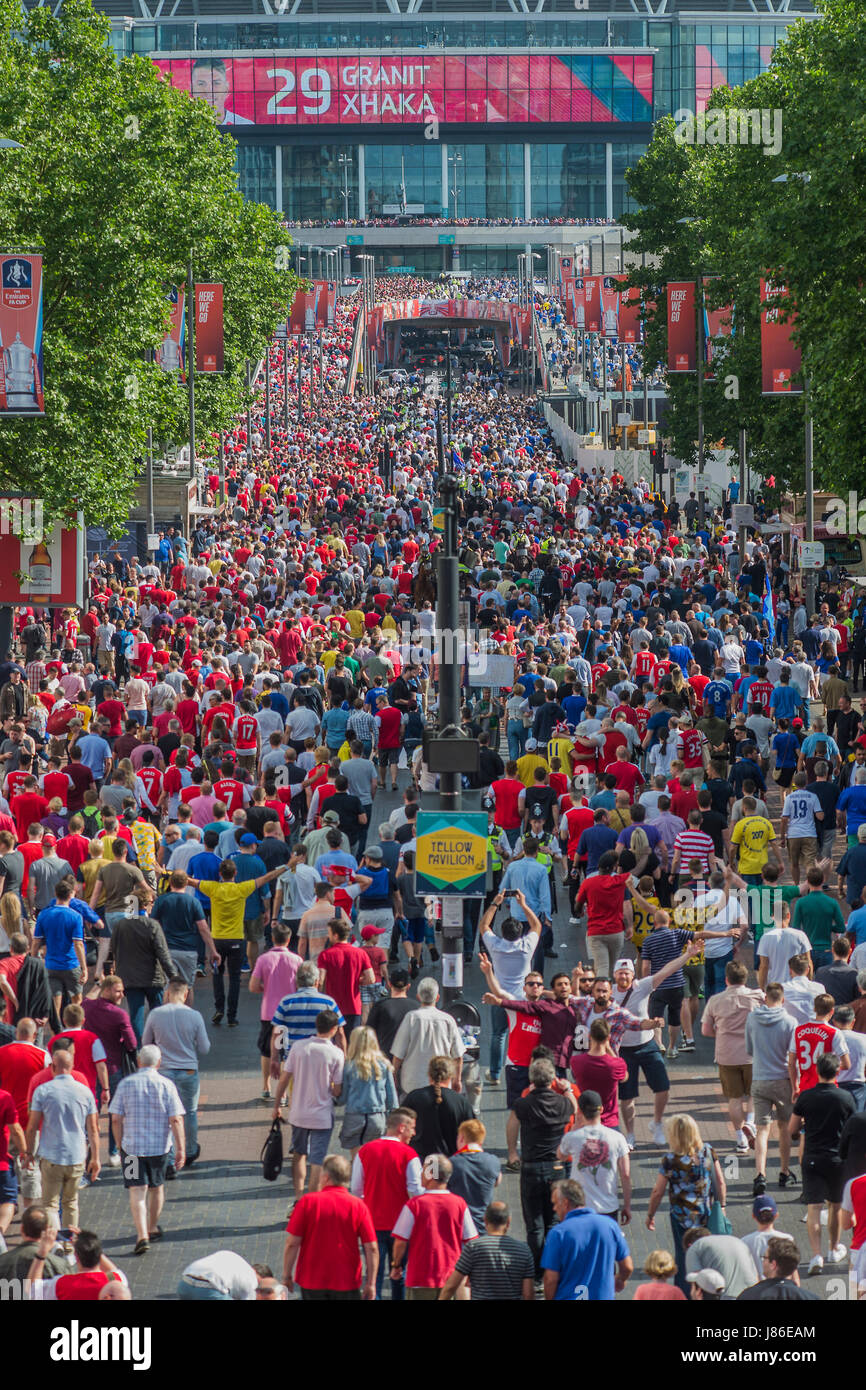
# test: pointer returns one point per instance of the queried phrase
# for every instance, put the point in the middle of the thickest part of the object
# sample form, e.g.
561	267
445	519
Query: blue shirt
58	927
594	842
334	727
574	705
584	1250
207	866
857	924
533	881
785	701
852	802
682	655
786	748
64	1105
297	1013
718	696
95	752
251	866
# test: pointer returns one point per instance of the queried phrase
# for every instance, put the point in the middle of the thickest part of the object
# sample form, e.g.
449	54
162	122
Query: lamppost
345	162
809	581
368	290
455	160
686	222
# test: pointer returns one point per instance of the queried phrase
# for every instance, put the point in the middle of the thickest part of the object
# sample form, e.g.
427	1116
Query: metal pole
742	530
191	367
311	339
150	514
249	415
644	368
624	437
286	383
222	468
447	621
702	497
448	382
299	339
809	578
268	397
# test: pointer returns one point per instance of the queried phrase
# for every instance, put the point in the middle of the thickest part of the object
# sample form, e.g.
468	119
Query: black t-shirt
385	1018
404	833
257	818
824	1109
273	852
852	1146
437	1123
543	1116
177	914
721	791
840	980
828	794
540	801
777	1291
348	808
712	824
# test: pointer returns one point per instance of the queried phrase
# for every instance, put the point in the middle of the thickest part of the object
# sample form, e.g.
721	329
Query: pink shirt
202	811
725	1020
316	1065
277	970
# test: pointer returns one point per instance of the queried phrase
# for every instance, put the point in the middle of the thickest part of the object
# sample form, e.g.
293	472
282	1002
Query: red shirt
385	1163
811	1041
389	720
9	968
151	777
246	733
604	895
18	1063
759	693
524	1035
8	1116
47	1074
601	1074
684	801
187	714
628	777
699	684
692	742
436	1224
32	850
506	791
331	1223
84	1041
231	792
578	819
73	848
28	808
344	965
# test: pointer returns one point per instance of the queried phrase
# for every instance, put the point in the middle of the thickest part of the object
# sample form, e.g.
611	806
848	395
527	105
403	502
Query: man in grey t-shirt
360	773
45	874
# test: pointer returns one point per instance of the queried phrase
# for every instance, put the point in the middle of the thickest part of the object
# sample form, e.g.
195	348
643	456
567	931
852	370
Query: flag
767	612
456	457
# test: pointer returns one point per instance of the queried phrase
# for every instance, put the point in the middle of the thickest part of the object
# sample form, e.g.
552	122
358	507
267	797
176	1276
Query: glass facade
488	179
624	156
568	180
315	181
387	167
257	173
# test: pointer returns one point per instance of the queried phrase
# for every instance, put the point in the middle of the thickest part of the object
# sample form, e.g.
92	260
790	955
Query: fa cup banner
209	337
682	327
170	354
780	357
21	380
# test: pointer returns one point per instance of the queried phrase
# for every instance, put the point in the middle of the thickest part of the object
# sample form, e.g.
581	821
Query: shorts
670	999
694	978
772	1097
370	993
8	1186
823	1179
187	964
735	1081
412	929
516	1082
359	1129
254	929
263	1042
646	1058
311	1143
388	756
137	716
143	1171
65	980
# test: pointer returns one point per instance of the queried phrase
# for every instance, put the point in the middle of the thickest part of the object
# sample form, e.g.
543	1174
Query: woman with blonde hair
11	920
368	1093
659	1266
693	1177
125	766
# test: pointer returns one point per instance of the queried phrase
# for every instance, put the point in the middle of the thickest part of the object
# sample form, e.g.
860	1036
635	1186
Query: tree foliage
811	233
121	180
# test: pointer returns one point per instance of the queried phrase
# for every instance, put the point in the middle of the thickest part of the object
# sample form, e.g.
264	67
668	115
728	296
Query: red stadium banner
591	295
302	315
629	314
610	302
209	335
21	377
387	89
326	304
170	354
682	327
781	359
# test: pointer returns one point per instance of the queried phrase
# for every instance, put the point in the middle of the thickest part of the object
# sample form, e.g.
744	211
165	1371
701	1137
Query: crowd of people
190	777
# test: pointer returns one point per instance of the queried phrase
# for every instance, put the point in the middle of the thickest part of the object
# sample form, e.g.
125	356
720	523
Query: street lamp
345	162
455	160
6	144
686	222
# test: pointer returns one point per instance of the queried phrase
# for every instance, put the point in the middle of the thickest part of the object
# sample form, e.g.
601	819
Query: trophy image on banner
170	352
21	336
610	306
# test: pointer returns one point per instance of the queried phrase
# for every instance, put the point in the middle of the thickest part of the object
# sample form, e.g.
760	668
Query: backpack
272	1153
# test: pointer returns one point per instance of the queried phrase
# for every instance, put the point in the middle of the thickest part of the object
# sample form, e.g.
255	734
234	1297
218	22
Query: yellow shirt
526	768
146	840
642	924
227	908
752	834
326	660
562	748
355	619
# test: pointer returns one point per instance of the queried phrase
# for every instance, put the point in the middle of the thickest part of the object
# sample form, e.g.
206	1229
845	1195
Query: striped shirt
35	671
662	945
297	1014
694	844
362	726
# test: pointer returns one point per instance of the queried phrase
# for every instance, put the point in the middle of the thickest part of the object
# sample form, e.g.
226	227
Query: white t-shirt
855	1046
511	960
637	1002
757	1242
778	946
595	1151
800	995
800	807
226	1272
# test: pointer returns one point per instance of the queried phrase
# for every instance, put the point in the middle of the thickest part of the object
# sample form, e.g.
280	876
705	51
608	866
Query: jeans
188	1088
857	1092
821	958
714	980
231	954
137	997
471	917
678	1232
538	1215
498	1039
189	1292
114	1080
516	735
398	1286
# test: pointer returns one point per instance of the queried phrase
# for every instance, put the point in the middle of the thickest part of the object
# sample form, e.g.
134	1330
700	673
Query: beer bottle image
39	569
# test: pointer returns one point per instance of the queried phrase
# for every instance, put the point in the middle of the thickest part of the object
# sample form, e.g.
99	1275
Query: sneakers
233	1023
838	1254
266	1097
491	1079
434	954
114	1160
742	1142
759	1186
785	1179
672	1054
217	1018
816	1264
687	1045
630	1140
575	921
658	1135
749	1131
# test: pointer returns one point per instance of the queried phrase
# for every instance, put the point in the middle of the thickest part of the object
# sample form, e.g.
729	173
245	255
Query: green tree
121	180
812	233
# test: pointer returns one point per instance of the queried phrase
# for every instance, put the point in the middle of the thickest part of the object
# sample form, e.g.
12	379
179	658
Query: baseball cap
373	852
531	743
624	964
589	1102
710	1280
248	839
49	839
331	817
368	932
764	1206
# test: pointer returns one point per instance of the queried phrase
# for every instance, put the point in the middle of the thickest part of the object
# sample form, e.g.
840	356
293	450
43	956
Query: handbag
717	1221
272	1152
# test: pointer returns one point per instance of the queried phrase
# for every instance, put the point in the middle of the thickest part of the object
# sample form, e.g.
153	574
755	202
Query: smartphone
509	892
65	1234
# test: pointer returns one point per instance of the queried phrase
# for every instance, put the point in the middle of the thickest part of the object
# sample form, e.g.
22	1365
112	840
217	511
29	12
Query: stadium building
377	110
